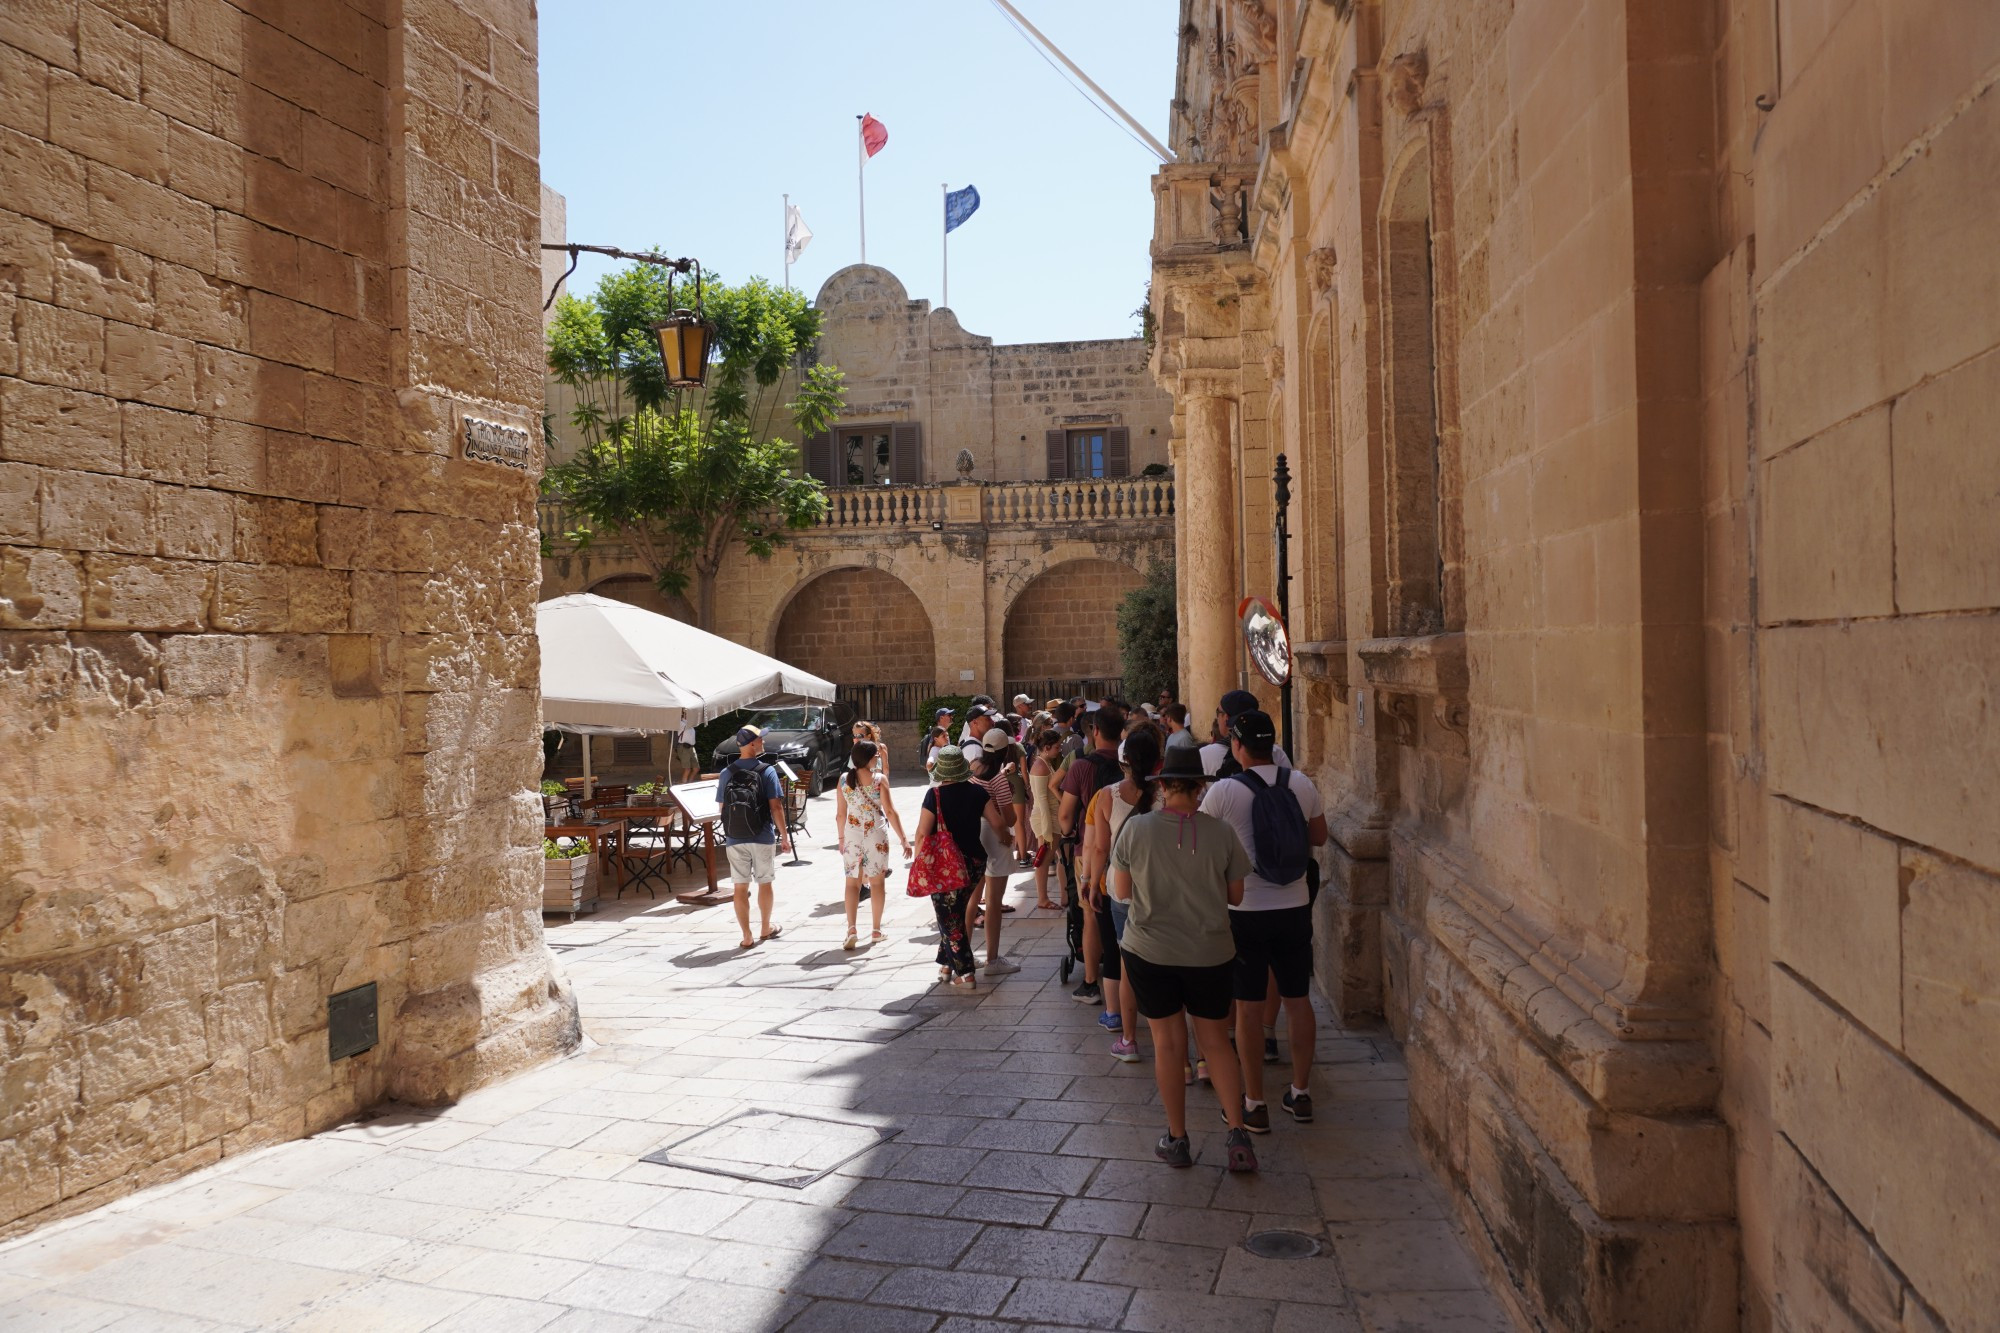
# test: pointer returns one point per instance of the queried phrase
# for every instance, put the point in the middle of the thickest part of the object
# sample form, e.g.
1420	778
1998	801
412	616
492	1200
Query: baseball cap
744	735
978	710
942	712
1252	725
995	740
1238	701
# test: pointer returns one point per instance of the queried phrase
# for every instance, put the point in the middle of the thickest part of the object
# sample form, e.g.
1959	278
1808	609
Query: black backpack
1279	842
745	812
1105	771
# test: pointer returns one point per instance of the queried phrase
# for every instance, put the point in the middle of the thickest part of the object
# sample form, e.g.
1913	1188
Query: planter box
569	886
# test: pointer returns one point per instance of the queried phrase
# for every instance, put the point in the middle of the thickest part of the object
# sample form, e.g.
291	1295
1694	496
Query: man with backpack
1278	815
1216	759
753	826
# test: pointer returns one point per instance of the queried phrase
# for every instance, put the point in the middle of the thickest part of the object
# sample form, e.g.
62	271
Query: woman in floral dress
865	815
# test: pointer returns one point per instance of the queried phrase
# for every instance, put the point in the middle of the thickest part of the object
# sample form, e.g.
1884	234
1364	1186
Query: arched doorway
1061	635
865	631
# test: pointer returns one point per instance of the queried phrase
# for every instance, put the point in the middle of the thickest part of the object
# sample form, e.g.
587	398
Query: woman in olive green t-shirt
1181	871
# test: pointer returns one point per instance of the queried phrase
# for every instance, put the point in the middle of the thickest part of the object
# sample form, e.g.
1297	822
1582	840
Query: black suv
811	740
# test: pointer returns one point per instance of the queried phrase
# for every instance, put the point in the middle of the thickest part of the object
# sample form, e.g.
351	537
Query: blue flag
958	206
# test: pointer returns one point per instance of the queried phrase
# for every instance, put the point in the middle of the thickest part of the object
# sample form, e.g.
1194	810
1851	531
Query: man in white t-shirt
1273	923
1216	759
978	721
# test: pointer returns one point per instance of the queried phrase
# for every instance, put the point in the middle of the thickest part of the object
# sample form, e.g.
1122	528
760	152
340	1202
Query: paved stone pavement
1017	1189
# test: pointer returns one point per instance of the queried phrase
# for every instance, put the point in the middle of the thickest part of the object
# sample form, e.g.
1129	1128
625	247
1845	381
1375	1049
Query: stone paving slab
1018	1189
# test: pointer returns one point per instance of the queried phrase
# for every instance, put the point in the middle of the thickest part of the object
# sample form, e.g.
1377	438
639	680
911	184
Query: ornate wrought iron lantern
685	341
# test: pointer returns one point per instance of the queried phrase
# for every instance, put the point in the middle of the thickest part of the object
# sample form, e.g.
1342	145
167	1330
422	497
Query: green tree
684	476
1149	635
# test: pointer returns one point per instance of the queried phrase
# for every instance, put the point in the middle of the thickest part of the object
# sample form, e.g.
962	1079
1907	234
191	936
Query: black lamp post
1281	474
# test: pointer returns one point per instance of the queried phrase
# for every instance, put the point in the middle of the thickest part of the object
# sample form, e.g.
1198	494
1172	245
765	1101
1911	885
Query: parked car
811	740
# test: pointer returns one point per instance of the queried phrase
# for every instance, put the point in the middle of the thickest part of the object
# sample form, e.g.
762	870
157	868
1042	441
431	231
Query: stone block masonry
267	673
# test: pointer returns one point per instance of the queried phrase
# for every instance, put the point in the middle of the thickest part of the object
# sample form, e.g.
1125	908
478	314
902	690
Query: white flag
797	234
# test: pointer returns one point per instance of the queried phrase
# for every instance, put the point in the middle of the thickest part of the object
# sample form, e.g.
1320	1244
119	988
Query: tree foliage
684	476
1149	635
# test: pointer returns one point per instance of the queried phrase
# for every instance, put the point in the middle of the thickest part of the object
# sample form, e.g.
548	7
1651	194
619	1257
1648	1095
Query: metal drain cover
774	1147
1282	1245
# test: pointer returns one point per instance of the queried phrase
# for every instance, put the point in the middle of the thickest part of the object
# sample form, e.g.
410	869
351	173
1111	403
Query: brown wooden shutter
1058	441
1118	452
906	453
819	457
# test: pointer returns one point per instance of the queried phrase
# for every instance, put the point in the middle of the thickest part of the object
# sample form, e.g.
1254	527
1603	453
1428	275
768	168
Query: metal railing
1041	691
886	703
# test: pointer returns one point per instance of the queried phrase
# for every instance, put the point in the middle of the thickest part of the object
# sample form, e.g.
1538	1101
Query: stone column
1208	577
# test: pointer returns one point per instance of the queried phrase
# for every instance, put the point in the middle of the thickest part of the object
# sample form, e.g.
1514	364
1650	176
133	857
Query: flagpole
861	182
945	222
788	242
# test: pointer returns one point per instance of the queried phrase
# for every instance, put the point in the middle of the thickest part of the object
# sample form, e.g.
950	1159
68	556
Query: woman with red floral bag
952	815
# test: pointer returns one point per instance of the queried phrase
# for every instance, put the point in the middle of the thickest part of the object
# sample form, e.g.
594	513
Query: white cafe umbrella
611	667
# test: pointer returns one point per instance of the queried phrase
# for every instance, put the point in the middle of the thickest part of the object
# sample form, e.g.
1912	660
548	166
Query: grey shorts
752	862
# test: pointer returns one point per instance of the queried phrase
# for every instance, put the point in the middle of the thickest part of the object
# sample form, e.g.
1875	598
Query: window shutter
1058	442
1118	452
819	457
906	453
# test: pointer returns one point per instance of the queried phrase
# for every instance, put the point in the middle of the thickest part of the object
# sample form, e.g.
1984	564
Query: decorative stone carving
964	465
1319	272
1274	364
1408	74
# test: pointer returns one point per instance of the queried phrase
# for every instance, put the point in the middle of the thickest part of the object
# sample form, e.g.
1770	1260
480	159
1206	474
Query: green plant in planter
649	788
550	787
555	851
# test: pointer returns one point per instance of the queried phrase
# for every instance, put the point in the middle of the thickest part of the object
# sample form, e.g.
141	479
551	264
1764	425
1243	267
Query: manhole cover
775	1147
1282	1245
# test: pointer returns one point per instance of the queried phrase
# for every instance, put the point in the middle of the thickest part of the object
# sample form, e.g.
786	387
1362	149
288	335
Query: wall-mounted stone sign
492	442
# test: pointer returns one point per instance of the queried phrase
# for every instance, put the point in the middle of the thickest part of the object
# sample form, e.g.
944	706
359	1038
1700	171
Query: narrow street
991	1168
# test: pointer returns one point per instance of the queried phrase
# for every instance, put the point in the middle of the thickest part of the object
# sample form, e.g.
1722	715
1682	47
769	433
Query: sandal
1006	909
876	937
965	982
771	934
848	943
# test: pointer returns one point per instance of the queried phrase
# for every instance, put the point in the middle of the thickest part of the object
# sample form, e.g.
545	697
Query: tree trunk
704	599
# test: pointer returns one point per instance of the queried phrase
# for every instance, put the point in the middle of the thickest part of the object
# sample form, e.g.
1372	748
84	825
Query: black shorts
1279	942
1164	991
1108	966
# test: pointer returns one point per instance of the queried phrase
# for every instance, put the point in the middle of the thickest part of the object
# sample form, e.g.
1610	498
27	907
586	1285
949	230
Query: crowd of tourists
1184	868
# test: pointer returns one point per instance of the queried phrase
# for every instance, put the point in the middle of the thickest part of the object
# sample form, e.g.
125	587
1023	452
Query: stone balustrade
1137	500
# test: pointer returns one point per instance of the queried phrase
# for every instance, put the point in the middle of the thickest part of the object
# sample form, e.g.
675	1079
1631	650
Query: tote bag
939	866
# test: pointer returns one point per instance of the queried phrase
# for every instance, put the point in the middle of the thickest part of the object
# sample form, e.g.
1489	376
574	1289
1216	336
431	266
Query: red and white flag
873	134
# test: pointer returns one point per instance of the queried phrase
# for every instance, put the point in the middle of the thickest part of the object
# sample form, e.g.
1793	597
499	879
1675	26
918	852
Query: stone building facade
923	580
1630	361
267	662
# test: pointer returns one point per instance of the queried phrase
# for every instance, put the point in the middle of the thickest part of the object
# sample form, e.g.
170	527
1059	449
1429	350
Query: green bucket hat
951	766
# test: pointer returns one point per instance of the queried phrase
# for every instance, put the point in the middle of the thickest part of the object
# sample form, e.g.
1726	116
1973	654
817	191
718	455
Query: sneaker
1111	1022
1000	967
1241	1156
1127	1051
1187	1073
1257	1121
1270	1050
1300	1106
1175	1151
1087	993
1201	1071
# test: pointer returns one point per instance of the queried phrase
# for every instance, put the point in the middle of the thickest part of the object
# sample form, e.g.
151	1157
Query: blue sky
771	89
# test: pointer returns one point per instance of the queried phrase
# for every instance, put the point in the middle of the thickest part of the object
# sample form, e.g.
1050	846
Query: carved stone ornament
494	442
1408	74
1319	271
964	465
1274	363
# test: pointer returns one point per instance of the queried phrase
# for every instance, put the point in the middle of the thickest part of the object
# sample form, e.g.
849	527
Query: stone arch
639	590
1064	624
857	625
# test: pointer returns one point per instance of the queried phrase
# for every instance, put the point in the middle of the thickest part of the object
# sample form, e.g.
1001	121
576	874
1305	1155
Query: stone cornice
1209	382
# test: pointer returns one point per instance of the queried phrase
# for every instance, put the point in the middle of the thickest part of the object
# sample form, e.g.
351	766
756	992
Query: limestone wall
267	670
1626	358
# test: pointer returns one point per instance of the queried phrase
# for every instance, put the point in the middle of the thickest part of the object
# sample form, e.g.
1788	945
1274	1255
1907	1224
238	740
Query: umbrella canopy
608	666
